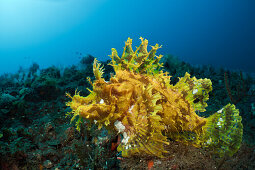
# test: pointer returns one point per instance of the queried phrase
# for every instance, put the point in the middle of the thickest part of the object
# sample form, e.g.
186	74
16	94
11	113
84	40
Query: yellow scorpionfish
141	105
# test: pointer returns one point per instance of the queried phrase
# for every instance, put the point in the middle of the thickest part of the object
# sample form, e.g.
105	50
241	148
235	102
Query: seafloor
36	134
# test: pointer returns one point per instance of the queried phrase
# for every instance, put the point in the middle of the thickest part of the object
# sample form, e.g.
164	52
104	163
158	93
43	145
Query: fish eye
196	100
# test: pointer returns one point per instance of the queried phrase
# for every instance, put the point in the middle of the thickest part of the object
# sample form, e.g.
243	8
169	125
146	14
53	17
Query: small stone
47	164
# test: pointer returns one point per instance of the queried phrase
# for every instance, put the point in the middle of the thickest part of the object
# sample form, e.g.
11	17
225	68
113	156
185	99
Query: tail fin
224	131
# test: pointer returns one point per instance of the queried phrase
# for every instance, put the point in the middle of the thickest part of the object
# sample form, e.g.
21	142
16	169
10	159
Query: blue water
60	32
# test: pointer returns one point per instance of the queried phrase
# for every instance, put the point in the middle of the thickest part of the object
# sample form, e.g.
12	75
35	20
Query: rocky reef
35	132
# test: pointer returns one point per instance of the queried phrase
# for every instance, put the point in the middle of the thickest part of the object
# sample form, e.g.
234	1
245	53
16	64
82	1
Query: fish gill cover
140	103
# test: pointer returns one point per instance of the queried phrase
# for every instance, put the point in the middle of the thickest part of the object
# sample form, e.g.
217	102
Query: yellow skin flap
140	103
